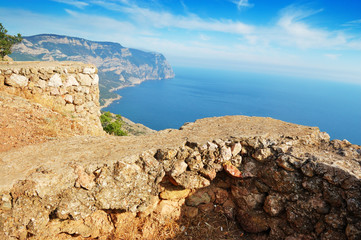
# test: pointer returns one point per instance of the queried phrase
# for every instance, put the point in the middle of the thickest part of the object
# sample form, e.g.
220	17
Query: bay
334	107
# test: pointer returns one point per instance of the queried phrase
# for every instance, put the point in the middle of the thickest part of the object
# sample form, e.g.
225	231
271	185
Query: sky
318	39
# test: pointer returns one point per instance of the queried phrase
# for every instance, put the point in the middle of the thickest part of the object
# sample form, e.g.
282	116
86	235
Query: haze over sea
334	107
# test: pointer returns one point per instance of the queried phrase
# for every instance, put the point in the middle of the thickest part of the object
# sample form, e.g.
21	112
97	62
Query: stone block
55	81
16	80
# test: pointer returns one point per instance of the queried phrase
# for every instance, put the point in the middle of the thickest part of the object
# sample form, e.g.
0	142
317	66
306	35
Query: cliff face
118	66
277	180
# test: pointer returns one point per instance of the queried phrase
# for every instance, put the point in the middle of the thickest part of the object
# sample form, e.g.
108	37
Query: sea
334	107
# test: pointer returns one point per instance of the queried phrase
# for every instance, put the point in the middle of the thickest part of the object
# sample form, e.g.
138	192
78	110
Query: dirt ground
25	123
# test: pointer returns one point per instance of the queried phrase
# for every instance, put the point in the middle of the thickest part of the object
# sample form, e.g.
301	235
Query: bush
7	41
112	124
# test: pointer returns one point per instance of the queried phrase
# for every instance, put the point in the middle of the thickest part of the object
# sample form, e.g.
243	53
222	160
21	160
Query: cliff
227	177
118	66
276	180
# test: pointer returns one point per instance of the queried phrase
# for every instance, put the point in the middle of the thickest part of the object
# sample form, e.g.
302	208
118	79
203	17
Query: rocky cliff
275	180
118	66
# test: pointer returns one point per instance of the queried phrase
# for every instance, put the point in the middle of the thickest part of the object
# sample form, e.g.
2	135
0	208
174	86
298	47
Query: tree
7	41
112	124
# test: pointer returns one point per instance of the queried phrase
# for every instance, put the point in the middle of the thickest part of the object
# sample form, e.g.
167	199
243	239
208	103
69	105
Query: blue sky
319	38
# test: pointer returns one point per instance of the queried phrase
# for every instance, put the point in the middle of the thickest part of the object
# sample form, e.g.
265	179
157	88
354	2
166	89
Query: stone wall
275	180
70	88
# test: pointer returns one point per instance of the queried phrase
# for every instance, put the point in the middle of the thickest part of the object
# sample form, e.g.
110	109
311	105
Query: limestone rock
85	80
71	81
55	81
89	70
16	80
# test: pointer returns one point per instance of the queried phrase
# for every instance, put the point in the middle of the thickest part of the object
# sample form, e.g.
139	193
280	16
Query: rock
101	224
95	80
68	99
335	220
16	80
7	58
253	222
71	81
229	208
5	202
319	205
168	210
247	200
352	232
237	161
221	195
236	149
191	180
55	92
41	84
190	212
262	154
308	169
198	198
274	205
79	99
85	79
84	180
55	81
207	207
174	194
232	170
194	161
226	154
283	163
88	70
208	172
147	208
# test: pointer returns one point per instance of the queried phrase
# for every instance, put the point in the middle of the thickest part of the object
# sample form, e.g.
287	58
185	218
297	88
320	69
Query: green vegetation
7	41
112	124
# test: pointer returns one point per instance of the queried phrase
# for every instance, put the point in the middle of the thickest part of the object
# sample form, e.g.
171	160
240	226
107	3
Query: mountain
118	66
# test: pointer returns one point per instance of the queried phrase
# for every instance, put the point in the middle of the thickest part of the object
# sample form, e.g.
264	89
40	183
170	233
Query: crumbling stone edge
281	188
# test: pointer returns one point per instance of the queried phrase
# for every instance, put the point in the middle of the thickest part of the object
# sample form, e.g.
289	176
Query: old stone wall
70	88
275	180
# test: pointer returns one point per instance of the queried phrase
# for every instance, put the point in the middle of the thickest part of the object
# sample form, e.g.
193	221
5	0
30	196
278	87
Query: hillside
118	66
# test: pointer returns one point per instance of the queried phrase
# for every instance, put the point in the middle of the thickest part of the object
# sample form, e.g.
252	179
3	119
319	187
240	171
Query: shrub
7	41
112	124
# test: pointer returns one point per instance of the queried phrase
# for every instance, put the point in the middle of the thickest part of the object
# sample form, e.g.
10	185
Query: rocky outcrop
118	66
69	88
277	180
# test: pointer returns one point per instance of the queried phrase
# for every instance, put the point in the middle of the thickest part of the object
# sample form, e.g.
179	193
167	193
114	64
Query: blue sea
334	107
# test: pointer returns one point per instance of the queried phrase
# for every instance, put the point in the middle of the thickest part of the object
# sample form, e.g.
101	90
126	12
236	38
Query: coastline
109	101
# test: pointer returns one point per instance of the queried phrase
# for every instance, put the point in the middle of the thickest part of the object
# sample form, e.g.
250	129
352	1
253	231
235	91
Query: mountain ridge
118	66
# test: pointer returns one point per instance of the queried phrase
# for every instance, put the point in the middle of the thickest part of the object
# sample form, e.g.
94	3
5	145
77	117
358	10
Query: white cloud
354	23
75	3
332	56
293	41
295	31
204	37
163	19
242	4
